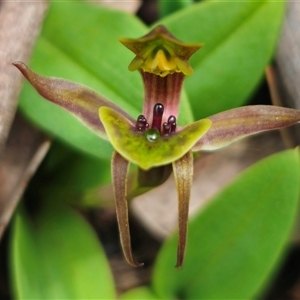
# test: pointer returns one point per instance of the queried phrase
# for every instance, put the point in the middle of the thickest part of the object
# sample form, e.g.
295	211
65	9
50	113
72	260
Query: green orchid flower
153	140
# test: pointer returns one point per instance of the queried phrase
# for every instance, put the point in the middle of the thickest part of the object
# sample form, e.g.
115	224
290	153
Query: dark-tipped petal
79	100
119	180
183	174
149	149
232	125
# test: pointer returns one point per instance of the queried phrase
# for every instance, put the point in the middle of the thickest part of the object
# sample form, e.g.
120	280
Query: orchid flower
153	139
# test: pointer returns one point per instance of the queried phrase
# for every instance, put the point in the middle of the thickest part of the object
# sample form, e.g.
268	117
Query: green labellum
149	149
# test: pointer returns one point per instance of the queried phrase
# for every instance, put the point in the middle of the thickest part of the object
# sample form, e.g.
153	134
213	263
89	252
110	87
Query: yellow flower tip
159	52
159	64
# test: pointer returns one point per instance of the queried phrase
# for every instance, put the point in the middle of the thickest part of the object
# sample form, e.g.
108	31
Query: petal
79	100
119	168
149	149
183	174
232	125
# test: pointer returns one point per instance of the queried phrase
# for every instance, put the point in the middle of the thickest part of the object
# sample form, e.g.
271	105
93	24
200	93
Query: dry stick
25	149
272	80
20	23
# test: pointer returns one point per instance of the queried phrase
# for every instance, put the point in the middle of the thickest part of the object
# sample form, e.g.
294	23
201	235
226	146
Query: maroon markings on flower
141	123
165	90
170	126
157	127
158	111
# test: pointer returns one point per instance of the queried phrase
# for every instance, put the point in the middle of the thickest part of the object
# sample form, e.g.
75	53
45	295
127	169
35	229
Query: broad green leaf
24	263
239	40
167	7
87	52
139	293
58	256
69	169
235	244
68	175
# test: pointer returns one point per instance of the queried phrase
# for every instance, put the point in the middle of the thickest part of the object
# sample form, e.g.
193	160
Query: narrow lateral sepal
119	167
183	173
234	124
81	101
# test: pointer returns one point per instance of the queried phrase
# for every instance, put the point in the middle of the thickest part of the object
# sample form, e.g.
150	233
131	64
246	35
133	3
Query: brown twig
20	23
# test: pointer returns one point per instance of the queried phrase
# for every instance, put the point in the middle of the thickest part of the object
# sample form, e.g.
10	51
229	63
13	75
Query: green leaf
86	52
68	175
71	170
236	243
139	293
170	6
58	256
239	40
24	265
